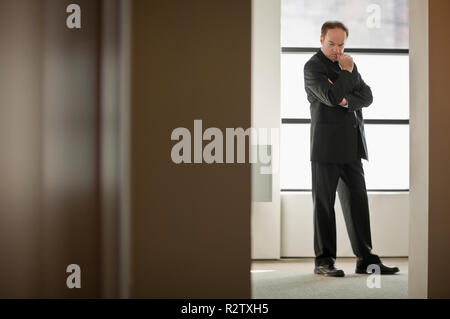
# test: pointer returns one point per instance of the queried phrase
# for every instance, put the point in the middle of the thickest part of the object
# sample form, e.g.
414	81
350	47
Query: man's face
333	43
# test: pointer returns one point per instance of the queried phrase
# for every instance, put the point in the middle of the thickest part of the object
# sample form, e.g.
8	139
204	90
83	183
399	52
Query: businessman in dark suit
337	94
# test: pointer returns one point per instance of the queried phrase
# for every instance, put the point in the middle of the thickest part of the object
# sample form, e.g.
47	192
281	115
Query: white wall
266	15
389	219
418	57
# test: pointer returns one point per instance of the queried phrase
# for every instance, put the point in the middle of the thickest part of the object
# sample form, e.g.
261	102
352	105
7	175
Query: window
374	24
378	42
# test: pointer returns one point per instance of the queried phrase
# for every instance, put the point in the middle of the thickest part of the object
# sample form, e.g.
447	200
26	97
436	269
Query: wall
389	216
49	205
190	223
439	152
77	122
20	162
70	221
112	186
266	114
418	239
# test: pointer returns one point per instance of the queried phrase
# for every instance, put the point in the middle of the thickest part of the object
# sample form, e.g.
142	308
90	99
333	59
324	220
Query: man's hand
346	62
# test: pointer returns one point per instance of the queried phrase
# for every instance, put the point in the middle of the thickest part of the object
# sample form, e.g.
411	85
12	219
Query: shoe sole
362	272
340	274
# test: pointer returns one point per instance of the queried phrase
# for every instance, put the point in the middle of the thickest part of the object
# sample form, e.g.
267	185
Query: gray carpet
294	279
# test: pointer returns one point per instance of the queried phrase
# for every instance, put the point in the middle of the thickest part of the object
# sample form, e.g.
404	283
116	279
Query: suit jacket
337	133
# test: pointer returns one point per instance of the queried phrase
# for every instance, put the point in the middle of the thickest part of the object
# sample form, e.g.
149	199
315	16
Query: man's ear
321	40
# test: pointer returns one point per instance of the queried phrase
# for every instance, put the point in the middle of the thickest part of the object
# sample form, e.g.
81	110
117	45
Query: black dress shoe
329	271
384	270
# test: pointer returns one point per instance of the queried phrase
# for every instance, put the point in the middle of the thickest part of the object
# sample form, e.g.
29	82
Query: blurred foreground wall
190	223
49	141
86	176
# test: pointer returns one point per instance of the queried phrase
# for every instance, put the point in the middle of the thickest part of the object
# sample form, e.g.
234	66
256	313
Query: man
337	94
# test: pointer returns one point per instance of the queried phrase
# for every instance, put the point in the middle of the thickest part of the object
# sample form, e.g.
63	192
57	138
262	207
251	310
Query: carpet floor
293	278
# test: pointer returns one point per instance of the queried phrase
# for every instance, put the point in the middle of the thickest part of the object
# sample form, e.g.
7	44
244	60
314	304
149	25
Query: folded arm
360	97
317	84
